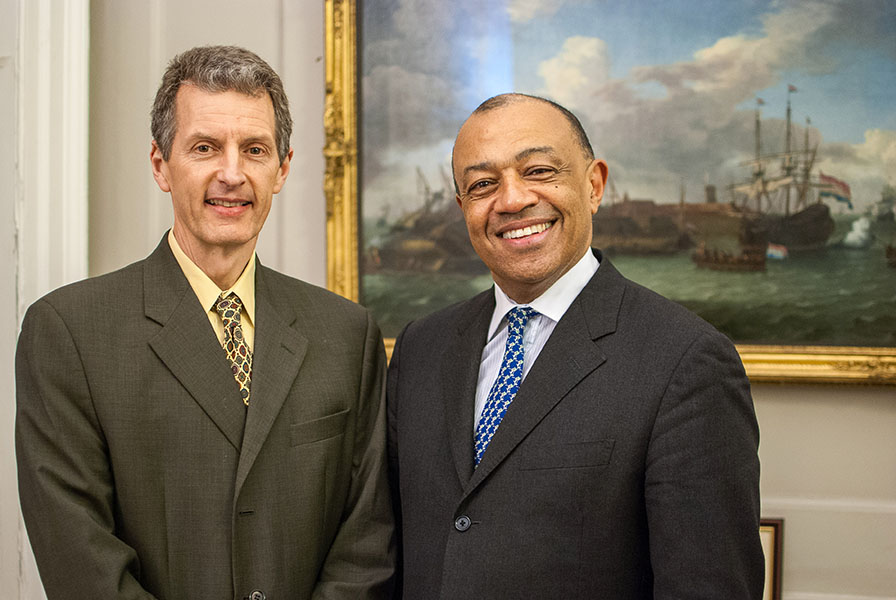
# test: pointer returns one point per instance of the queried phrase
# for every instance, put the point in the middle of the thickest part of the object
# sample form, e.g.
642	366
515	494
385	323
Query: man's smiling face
223	169
528	193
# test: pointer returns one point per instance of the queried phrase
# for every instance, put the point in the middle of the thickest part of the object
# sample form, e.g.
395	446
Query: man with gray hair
197	425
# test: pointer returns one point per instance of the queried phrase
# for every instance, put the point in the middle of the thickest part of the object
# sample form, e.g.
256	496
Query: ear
159	167
282	172
457	199
597	178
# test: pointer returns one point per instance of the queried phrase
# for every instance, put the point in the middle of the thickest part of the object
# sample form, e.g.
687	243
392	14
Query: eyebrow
537	150
204	135
522	155
265	140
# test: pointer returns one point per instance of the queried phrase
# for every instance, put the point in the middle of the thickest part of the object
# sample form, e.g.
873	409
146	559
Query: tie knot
229	307
518	317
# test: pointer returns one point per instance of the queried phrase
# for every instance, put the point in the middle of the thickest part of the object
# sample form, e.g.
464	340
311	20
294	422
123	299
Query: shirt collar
554	302
207	290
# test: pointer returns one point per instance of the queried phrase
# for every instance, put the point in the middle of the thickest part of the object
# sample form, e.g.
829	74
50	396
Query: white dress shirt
551	306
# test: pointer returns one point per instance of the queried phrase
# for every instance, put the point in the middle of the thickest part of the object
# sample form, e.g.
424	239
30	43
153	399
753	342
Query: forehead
508	130
201	109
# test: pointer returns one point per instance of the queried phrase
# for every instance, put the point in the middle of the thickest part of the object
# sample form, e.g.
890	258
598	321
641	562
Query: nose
514	195
230	169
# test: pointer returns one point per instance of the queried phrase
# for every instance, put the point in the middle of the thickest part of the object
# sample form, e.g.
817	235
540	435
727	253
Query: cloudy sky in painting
666	90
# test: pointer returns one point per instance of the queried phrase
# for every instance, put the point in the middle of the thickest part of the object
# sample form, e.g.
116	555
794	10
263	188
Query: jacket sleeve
65	480
361	560
392	438
702	479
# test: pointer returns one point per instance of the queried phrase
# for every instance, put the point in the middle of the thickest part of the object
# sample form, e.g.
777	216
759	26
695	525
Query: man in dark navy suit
569	433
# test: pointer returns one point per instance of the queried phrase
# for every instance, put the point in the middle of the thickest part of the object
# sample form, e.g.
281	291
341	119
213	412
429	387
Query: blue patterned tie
508	382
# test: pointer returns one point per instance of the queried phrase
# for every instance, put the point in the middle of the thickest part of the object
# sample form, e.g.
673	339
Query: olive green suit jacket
143	475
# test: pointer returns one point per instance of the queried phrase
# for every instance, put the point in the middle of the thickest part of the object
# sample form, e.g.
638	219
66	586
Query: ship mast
788	157
758	169
808	161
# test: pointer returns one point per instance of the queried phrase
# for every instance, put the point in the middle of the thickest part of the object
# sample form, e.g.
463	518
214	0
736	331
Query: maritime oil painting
751	148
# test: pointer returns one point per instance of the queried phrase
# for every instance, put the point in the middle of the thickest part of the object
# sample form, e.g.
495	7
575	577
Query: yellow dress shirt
208	292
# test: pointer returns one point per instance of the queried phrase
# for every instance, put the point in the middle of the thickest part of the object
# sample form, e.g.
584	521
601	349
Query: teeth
518	233
225	203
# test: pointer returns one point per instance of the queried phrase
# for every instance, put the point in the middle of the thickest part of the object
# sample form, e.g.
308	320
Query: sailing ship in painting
783	208
787	196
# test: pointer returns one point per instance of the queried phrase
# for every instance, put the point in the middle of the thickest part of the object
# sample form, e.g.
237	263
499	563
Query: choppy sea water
839	297
836	297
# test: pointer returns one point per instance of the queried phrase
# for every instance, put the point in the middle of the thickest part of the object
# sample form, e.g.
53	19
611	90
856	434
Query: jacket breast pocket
318	429
568	456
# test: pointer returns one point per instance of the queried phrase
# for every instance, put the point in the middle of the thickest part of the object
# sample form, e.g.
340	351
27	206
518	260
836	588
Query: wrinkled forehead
196	106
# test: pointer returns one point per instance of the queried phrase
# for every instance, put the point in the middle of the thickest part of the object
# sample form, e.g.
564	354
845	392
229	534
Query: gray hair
219	69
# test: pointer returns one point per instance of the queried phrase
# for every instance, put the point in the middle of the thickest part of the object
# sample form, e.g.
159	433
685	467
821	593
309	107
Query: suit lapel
459	376
569	355
187	344
278	354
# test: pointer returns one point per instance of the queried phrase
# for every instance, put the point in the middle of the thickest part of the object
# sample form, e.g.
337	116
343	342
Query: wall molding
844	505
52	145
824	596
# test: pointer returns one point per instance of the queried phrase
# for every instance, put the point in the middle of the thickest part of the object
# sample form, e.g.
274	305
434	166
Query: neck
522	293
225	271
223	265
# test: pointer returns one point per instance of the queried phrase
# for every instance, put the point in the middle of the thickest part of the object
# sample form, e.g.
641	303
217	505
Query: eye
481	188
540	171
203	148
256	151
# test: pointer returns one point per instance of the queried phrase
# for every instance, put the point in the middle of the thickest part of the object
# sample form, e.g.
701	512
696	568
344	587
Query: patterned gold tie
234	344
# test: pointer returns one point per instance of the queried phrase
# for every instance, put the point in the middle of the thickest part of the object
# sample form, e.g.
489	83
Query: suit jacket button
462	523
257	595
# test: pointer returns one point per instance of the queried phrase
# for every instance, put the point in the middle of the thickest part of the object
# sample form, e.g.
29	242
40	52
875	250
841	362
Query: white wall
829	469
828	452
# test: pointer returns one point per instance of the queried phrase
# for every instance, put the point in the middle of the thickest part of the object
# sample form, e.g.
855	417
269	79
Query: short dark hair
511	98
219	69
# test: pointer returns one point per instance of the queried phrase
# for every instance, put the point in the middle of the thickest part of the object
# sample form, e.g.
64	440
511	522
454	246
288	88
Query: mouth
226	203
515	234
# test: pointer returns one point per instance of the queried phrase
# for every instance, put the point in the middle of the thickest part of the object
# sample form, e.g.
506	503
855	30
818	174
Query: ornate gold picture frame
790	364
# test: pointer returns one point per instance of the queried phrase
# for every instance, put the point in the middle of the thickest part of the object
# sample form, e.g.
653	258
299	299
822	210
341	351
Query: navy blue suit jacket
625	468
